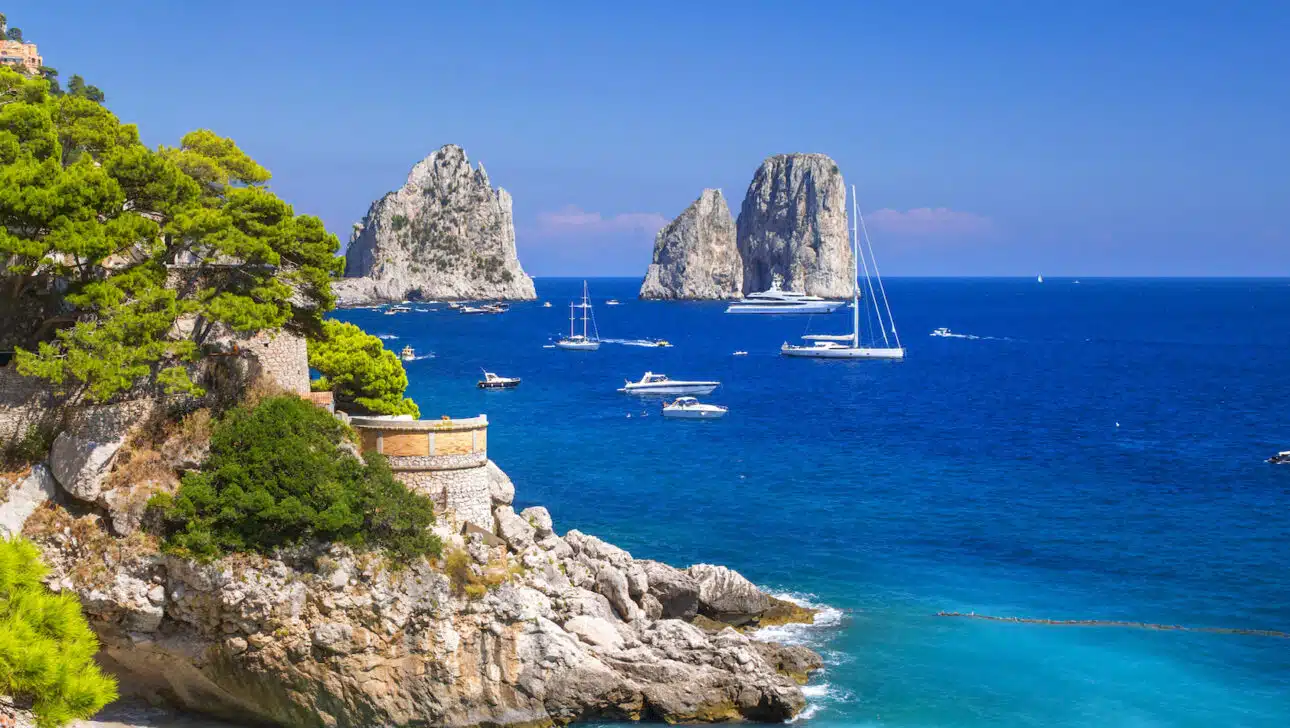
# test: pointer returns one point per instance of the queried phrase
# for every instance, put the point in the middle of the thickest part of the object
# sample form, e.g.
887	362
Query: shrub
358	368
29	449
277	476
46	647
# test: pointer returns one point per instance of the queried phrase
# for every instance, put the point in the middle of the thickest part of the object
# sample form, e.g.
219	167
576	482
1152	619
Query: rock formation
695	256
794	223
516	627
446	234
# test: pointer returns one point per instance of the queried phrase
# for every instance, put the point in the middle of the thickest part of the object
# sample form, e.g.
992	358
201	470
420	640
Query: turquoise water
984	474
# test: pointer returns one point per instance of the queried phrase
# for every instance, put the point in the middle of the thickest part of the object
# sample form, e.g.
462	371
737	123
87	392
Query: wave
820	697
826	619
421	356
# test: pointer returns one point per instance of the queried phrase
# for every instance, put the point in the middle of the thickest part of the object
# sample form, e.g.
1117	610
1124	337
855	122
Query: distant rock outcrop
794	223
695	256
445	234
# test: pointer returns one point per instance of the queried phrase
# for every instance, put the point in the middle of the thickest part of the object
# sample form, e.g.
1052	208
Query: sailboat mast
855	279
571	319
585	303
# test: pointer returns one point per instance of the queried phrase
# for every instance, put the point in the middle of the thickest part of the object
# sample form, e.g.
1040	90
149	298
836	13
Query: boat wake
820	694
940	334
650	343
386	337
419	357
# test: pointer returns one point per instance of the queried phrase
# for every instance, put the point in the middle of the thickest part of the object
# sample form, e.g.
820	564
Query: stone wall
444	459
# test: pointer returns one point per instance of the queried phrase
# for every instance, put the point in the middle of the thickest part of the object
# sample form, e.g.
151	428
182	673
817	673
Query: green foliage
15	34
276	476
358	368
107	245
46	647
398	222
29	449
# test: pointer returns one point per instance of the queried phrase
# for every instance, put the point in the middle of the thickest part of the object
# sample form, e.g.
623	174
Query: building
21	55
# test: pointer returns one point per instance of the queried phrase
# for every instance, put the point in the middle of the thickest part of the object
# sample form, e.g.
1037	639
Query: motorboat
848	346
777	300
454	305
407	354
689	408
398	309
581	342
663	344
653	383
474	309
942	332
498	307
1281	458
546	304
613	302
493	381
740	353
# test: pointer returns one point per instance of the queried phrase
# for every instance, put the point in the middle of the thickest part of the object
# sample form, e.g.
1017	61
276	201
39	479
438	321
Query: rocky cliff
517	627
445	234
794	223
695	255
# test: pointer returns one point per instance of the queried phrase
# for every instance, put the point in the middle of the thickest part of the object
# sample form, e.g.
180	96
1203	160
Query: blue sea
1090	450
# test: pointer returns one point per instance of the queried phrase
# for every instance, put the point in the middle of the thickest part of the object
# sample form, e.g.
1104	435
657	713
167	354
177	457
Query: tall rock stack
445	234
794	223
695	255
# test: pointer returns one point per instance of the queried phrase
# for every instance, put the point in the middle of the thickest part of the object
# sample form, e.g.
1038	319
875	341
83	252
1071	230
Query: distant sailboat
580	342
834	346
1041	279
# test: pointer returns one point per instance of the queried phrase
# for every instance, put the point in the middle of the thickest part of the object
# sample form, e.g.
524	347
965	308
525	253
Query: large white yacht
653	383
777	300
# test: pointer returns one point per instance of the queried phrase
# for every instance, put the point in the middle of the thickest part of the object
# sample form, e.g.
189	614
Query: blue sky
985	138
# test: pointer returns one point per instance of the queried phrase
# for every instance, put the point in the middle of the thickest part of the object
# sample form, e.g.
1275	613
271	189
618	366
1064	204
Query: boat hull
669	389
578	345
690	414
797	308
843	352
499	385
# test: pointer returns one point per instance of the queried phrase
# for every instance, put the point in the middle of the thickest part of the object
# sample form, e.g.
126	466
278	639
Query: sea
1086	449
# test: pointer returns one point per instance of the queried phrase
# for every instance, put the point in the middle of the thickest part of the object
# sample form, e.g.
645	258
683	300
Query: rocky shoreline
518	627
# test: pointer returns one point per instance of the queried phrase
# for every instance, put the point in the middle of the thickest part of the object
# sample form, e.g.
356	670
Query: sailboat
580	342
847	346
1041	278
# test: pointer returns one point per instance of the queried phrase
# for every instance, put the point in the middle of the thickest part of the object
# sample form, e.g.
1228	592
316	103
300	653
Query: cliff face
446	234
695	255
794	223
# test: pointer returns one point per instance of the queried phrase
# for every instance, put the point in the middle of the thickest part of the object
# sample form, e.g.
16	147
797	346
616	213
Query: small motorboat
407	354
454	305
498	307
546	304
1281	458
689	408
653	383
474	309
663	344
740	353
942	332
613	302
399	309
492	381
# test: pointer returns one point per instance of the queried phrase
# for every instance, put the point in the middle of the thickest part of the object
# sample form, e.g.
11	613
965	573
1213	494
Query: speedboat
653	383
546	304
612	302
689	408
398	309
1281	458
492	381
740	353
663	344
474	309
407	354
942	332
498	307
777	300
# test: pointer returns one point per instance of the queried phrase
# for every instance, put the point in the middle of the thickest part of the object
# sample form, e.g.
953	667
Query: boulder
513	528
23	498
540	519
676	591
81	465
726	596
500	488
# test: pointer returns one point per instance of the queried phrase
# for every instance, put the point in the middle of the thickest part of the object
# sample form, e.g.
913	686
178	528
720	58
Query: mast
868	281
585	304
571	319
855	279
886	304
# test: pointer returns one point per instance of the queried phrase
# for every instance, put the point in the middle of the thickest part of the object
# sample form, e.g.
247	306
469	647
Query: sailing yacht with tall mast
581	342
847	346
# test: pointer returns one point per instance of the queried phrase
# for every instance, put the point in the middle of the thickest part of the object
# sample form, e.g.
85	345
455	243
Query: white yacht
777	300
407	354
689	408
581	342
847	346
653	383
613	302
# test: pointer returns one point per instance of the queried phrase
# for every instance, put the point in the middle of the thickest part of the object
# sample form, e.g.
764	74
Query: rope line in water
1113	623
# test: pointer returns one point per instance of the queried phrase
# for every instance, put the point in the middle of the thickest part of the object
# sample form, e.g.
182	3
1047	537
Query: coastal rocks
81	465
726	596
501	490
793	223
538	630
695	255
23	498
445	234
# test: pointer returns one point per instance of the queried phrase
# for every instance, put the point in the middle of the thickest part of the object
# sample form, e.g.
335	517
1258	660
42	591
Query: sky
1010	137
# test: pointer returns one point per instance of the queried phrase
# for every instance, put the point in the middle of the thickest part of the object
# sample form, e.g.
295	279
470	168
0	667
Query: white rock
594	631
500	488
515	530
81	465
24	498
540	519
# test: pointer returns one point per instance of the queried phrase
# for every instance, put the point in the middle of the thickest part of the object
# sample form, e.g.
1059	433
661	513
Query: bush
46	647
29	449
358	368
277	476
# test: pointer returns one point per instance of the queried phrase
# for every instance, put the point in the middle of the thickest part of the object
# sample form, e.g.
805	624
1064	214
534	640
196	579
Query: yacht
492	381
407	354
848	346
689	408
613	302
546	304
581	342
475	309
777	300
653	383
740	353
1281	458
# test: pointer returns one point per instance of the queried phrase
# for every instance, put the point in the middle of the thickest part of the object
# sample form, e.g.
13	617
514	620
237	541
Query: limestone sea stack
695	256
794	223
445	234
